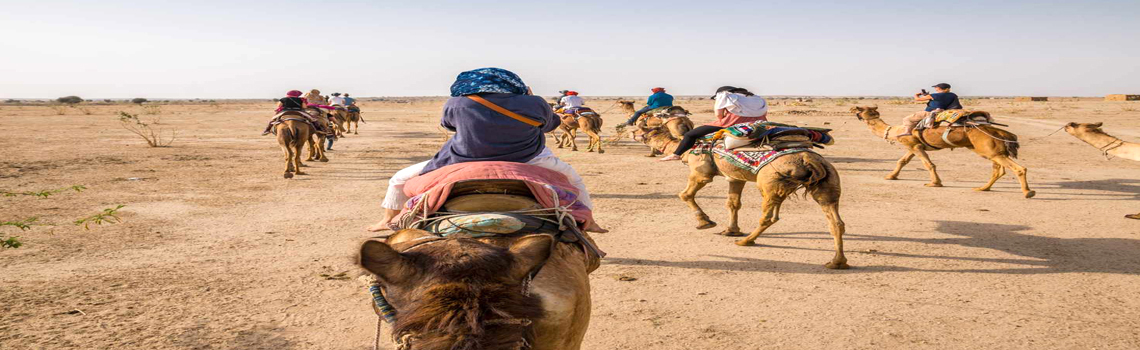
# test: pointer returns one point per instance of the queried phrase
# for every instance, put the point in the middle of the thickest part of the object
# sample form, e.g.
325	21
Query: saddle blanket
549	188
761	130
668	112
285	115
748	160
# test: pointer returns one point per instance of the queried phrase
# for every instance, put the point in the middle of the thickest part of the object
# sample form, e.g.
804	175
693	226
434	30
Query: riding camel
777	180
473	293
997	145
317	140
292	133
339	117
590	123
675	126
1108	145
352	122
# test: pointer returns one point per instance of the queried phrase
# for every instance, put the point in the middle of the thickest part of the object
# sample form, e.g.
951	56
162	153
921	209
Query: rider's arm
922	98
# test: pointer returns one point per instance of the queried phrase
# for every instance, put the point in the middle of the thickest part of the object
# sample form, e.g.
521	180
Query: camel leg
321	143
298	147
735	188
574	140
287	149
598	140
356	126
1022	174
894	175
999	171
696	183
312	149
772	202
934	180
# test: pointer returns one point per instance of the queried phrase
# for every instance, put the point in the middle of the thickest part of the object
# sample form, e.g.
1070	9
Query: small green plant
44	193
108	215
146	129
13	242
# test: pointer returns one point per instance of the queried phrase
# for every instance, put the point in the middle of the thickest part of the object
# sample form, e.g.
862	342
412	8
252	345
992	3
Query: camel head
458	293
866	113
1084	128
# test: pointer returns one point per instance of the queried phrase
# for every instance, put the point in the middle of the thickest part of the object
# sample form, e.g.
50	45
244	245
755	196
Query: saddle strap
503	111
946	137
922	139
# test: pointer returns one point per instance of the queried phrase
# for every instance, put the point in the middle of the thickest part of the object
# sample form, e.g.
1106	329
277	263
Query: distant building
1122	98
1031	99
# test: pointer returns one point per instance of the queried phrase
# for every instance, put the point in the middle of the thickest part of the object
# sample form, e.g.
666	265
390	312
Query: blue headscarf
495	80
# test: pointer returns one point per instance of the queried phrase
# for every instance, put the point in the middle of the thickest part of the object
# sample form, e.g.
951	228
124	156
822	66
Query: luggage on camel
956	117
751	146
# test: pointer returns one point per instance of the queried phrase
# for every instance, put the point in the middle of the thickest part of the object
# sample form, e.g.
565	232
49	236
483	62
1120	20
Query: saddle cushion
752	160
763	133
668	112
548	187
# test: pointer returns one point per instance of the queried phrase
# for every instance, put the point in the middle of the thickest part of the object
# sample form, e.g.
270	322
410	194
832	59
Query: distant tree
138	100
69	99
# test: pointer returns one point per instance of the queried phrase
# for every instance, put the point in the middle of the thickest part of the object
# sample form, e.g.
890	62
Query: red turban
658	89
293	93
572	93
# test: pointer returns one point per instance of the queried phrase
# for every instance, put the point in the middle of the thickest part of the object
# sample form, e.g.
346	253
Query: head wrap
336	94
494	80
293	93
572	93
658	89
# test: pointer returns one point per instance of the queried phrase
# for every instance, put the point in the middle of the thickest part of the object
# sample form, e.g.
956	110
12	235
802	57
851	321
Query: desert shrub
86	110
69	99
59	110
146	129
152	109
8	241
138	100
12	101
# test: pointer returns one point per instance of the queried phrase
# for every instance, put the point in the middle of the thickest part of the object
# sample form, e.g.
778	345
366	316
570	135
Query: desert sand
216	251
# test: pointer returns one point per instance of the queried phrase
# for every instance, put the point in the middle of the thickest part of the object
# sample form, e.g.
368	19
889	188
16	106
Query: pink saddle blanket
550	188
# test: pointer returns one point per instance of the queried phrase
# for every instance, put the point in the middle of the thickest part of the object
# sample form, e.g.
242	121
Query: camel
465	293
778	180
291	135
676	127
352	120
1109	145
997	145
339	116
591	124
317	140
569	128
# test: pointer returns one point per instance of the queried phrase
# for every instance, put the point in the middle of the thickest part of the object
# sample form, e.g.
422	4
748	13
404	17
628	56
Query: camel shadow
859	160
644	196
1126	187
1033	254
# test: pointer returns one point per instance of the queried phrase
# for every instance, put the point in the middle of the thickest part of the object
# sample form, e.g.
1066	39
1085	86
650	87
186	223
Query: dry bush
152	109
59	110
86	110
146	129
1127	109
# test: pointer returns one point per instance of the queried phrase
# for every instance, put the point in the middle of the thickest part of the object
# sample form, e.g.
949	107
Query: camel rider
350	103
314	97
657	100
558	100
941	99
570	102
336	100
733	106
483	134
293	102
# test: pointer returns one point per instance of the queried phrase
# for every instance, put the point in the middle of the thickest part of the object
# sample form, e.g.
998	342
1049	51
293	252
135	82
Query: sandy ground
216	251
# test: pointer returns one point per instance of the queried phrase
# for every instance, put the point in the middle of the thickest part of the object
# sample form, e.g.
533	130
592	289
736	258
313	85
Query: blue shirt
348	101
659	99
482	134
943	100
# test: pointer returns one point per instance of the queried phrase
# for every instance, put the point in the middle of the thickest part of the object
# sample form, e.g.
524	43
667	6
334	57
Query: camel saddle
763	135
579	112
668	112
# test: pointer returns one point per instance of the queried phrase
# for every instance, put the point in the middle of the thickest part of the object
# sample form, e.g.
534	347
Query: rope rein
1109	147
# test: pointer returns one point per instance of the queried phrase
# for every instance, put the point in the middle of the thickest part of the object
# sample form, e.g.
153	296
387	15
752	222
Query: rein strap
503	111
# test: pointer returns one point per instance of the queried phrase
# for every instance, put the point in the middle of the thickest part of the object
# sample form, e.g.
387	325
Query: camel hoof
731	233
651	155
745	243
933	185
288	175
837	266
355	133
301	173
1030	194
303	166
982	189
891	178
1133	216
601	151
326	160
706	225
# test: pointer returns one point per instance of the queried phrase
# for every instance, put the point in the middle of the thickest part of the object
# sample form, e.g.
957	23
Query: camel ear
856	109
1097	125
530	254
873	108
386	263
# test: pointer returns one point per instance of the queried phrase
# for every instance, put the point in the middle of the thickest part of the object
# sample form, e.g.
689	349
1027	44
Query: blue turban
495	80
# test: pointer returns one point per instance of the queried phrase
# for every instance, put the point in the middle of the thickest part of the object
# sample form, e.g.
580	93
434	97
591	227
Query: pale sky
260	49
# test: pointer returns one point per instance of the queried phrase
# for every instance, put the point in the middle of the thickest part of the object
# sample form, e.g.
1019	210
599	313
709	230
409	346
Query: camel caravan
314	120
489	245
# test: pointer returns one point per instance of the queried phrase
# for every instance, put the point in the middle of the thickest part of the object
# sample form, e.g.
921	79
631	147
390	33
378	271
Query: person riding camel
657	100
570	102
336	100
942	99
350	103
295	104
314	97
733	106
495	117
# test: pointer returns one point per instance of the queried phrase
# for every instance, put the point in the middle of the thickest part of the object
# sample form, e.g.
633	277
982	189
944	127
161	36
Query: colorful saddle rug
955	115
764	132
748	160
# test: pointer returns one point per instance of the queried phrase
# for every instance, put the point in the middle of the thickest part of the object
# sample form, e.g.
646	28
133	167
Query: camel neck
878	126
1100	141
